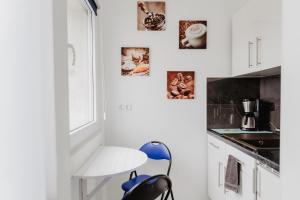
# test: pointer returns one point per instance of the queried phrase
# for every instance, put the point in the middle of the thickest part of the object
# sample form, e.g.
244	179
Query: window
82	106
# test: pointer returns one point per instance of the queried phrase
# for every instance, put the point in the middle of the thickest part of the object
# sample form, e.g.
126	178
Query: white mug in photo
195	36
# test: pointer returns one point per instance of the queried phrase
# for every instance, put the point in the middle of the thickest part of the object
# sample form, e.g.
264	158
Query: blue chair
155	150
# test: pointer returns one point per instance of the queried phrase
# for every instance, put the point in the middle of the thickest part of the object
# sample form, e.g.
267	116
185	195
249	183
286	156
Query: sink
256	142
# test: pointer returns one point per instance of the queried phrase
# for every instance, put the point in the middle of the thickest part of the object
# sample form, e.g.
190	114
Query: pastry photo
135	61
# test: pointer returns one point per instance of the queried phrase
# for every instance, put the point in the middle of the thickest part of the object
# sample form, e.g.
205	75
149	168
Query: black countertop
266	157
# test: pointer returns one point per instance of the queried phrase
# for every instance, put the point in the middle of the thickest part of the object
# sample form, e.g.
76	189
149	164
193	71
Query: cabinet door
268	185
267	22
256	37
243	41
215	169
247	189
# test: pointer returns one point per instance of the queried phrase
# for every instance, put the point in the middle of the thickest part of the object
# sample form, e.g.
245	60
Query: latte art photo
197	30
192	34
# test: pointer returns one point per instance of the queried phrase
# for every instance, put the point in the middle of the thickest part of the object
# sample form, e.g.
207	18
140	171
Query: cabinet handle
250	45
215	146
259	184
254	180
219	174
258	51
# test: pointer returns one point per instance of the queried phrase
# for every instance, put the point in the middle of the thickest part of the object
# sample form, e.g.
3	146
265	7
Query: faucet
274	128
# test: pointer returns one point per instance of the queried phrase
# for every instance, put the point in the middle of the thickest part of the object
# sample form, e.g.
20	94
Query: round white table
106	162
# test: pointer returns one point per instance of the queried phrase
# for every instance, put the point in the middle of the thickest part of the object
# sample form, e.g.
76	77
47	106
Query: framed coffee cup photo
192	34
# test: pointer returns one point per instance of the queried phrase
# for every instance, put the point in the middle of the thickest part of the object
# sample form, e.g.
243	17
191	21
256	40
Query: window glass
80	63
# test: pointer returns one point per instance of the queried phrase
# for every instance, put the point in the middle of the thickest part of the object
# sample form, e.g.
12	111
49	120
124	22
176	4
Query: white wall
34	111
180	124
36	157
290	140
27	101
60	146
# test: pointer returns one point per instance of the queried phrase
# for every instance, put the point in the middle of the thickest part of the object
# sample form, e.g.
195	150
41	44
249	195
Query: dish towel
232	177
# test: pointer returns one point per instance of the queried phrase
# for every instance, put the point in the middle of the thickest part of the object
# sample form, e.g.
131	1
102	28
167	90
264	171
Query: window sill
83	135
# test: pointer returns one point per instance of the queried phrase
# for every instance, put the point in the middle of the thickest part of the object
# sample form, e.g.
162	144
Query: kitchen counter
269	158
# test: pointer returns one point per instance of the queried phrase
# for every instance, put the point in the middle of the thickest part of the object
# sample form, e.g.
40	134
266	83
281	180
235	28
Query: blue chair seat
133	182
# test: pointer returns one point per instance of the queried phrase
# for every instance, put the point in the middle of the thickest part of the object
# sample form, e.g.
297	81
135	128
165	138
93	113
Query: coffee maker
251	114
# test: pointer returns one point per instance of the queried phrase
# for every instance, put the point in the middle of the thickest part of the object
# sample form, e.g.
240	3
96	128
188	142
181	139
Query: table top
109	161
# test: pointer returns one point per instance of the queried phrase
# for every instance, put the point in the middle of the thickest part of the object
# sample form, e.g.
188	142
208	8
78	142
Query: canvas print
180	85
192	34
135	61
151	16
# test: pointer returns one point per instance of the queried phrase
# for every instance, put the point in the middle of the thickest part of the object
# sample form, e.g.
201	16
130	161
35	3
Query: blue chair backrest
156	151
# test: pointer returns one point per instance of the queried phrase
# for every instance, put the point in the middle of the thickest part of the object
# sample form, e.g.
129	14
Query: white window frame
84	132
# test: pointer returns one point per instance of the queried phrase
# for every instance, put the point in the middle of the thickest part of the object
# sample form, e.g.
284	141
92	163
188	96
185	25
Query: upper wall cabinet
256	37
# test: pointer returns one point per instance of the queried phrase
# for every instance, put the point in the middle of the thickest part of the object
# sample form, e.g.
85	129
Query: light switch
129	107
125	107
121	107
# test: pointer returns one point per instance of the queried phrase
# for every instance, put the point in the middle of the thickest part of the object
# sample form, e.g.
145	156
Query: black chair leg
130	177
162	196
172	196
170	192
131	174
167	196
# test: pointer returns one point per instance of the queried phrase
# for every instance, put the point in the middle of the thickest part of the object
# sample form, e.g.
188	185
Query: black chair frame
168	190
134	173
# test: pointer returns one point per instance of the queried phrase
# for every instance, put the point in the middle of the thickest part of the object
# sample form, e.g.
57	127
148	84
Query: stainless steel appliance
251	114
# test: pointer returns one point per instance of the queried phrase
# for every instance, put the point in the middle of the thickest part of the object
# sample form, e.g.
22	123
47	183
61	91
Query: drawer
216	143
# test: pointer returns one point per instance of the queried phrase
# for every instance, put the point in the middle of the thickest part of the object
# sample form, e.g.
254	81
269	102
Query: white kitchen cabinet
216	175
218	153
256	37
257	182
268	184
243	36
247	189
